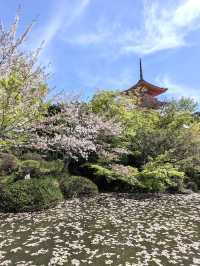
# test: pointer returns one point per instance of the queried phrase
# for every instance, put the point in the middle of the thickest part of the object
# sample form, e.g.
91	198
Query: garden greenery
76	148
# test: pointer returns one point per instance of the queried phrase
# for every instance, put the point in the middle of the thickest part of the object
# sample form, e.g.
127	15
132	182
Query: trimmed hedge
8	163
75	186
39	168
30	195
31	167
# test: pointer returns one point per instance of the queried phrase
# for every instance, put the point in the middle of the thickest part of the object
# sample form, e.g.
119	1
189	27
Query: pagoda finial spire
141	72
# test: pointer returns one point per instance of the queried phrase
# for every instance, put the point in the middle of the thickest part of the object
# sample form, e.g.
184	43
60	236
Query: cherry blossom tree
74	132
22	83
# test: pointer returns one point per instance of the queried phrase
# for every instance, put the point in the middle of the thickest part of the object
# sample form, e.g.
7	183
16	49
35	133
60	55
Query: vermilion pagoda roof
152	90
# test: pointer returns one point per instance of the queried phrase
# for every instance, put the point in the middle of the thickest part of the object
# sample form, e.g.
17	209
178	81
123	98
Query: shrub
191	168
40	168
159	178
116	177
78	186
30	195
31	156
7	179
52	167
8	163
99	170
29	167
193	186
115	171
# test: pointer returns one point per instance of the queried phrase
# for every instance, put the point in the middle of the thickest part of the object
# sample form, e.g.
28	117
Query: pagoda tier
146	91
148	87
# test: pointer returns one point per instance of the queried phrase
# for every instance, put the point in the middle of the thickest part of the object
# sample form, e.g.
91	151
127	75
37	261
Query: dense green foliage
77	186
159	178
29	167
153	178
38	168
53	167
31	156
156	151
163	144
116	178
29	195
111	141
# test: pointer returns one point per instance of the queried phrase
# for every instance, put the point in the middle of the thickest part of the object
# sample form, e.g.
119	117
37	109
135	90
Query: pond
106	230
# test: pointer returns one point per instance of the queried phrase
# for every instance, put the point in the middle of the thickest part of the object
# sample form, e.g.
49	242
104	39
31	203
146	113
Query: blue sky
96	44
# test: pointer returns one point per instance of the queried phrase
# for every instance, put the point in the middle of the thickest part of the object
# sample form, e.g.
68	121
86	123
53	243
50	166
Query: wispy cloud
166	27
162	26
64	14
178	90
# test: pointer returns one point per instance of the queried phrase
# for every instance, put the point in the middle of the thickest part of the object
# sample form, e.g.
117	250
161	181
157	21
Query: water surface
106	230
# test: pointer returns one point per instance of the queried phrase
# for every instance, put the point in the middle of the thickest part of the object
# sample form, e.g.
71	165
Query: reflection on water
106	230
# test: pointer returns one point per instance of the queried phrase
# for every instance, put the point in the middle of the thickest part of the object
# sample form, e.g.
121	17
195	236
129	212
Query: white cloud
166	27
62	16
162	27
177	90
65	13
187	13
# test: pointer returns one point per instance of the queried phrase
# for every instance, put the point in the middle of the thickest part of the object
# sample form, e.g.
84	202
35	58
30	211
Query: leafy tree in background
171	134
148	132
123	109
183	105
22	85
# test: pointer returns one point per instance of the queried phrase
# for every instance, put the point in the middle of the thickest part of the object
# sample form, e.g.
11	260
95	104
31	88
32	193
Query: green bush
77	186
113	177
8	163
31	156
192	170
159	178
52	167
7	179
30	195
102	171
29	167
40	168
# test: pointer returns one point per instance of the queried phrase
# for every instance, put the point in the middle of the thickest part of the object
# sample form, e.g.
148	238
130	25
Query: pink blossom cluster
74	132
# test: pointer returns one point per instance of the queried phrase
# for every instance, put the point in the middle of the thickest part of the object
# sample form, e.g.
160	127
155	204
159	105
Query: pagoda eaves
146	91
151	89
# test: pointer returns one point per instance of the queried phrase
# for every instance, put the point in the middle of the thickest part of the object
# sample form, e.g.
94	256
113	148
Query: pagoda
146	92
